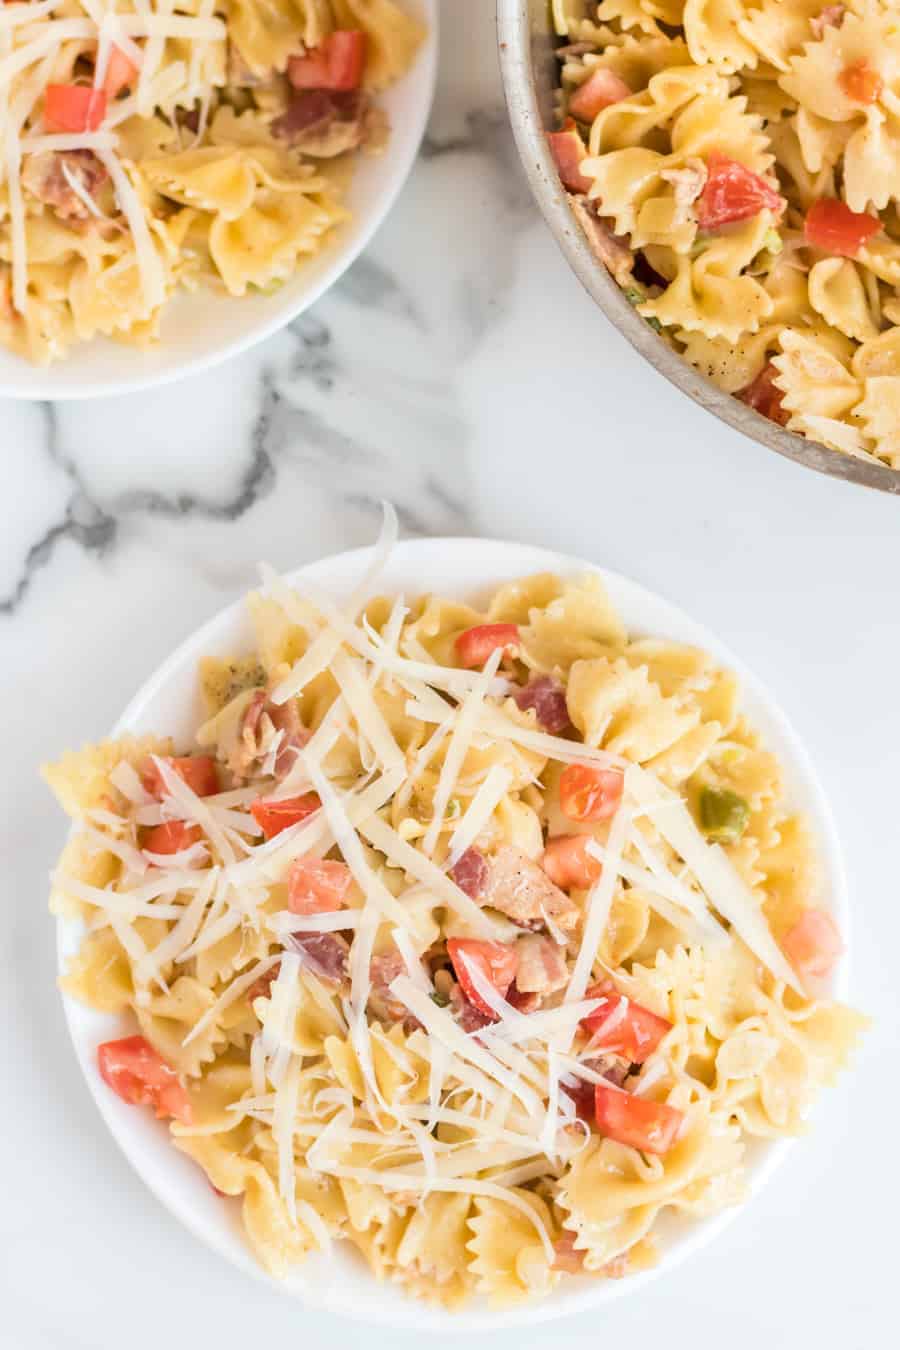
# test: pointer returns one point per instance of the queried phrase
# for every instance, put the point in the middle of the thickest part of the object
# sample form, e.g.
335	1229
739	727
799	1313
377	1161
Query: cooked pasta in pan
476	938
153	145
736	165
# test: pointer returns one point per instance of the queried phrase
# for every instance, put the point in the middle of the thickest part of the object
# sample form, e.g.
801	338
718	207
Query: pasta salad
480	939
735	164
150	146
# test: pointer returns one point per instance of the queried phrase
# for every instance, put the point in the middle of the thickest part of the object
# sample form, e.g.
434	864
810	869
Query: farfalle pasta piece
813	379
262	245
618	707
713	29
838	292
507	1258
879	413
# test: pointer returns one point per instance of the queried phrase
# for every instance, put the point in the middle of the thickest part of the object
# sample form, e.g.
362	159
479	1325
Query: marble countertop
460	371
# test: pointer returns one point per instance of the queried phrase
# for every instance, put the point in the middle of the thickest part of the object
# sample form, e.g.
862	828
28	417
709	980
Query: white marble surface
460	371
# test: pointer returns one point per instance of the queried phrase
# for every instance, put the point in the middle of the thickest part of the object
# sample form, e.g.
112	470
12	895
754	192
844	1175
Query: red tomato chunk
633	1031
120	72
733	192
73	107
568	863
475	645
317	885
814	944
568	150
141	1077
589	793
651	1127
861	82
171	837
834	228
496	961
198	771
337	64
273	817
600	90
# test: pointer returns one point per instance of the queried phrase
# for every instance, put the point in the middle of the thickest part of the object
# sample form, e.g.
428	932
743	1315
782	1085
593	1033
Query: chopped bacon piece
600	90
261	723
73	107
733	192
171	837
814	944
651	1127
622	1027
466	1014
325	954
470	872
317	885
44	177
261	988
521	890
568	150
475	645
764	395
610	249
496	961
140	1076
383	970
198	771
568	863
523	1003
542	968
861	82
548	699
587	793
832	16
323	125
337	63
273	817
831	226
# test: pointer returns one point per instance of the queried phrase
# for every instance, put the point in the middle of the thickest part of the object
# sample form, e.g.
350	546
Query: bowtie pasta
736	165
476	939
153	145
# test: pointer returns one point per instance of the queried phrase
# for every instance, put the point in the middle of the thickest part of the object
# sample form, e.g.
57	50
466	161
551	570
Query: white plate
168	704
200	330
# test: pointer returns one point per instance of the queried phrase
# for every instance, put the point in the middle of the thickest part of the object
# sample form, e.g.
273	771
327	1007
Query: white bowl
202	329
168	704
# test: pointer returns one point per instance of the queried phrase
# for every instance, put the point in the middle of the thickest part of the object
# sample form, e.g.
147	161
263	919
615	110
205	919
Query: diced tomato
474	646
600	90
73	107
568	863
497	962
273	817
861	82
764	395
317	885
198	771
120	72
814	944
634	1033
649	1126
141	1077
336	64
733	192
171	837
589	793
568	150
834	228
